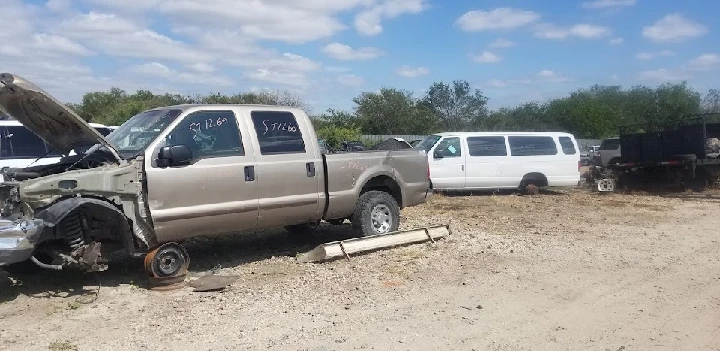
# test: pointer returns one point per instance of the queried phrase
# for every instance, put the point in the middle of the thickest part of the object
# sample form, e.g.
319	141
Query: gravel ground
547	272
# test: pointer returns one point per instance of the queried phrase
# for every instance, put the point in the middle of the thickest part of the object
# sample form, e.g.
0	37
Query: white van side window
567	145
449	147
487	146
532	146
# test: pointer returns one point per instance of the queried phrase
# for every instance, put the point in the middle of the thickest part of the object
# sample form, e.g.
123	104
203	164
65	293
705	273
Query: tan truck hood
47	117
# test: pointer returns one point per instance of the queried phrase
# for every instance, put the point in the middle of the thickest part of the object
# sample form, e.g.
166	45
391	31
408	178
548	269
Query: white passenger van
20	148
501	160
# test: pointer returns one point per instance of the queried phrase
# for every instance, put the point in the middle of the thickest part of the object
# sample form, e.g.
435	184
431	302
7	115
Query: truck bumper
17	239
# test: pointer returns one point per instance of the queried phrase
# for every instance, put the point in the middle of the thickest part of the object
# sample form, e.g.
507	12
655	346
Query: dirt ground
577	271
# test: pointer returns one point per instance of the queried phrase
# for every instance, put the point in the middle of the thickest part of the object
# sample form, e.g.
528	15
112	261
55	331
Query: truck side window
20	142
278	132
208	134
450	147
487	146
567	145
532	146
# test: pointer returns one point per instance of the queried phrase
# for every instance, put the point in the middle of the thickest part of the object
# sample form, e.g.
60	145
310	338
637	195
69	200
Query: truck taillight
428	171
579	165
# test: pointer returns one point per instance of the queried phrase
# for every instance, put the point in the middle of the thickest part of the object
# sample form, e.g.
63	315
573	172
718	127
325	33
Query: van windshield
428	143
133	136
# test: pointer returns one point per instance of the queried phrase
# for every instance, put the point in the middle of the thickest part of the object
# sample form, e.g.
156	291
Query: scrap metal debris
212	282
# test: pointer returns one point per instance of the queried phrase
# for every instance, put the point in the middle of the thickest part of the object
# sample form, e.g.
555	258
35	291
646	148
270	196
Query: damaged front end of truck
70	214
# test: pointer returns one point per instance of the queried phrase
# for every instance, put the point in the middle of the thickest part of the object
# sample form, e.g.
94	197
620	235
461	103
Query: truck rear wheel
376	212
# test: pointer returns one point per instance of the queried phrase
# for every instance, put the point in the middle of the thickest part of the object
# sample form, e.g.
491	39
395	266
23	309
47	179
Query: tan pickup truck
177	172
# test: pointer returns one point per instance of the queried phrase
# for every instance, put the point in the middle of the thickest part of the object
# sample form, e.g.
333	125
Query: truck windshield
428	143
133	136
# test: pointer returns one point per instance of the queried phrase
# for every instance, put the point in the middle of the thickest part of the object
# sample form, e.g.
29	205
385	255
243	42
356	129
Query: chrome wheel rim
381	219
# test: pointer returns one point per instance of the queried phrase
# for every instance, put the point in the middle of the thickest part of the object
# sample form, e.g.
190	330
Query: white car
20	148
497	160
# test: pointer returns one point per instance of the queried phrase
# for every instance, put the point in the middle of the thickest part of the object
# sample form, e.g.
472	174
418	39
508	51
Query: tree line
594	112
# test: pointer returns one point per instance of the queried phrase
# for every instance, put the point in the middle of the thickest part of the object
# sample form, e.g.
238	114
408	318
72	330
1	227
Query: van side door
210	195
447	164
486	162
288	168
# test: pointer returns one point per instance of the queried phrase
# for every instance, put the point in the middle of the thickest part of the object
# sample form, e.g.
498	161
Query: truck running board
345	248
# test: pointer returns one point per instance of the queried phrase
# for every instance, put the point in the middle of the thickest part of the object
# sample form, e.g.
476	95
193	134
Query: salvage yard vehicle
680	152
178	172
497	160
20	147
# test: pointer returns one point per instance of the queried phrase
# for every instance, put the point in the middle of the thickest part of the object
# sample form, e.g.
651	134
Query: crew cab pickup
178	172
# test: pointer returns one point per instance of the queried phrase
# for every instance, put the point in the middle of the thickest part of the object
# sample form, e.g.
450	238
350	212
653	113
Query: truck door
288	168
212	194
447	164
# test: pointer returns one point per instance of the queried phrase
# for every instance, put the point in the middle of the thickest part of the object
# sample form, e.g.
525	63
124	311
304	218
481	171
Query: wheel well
104	220
386	184
536	178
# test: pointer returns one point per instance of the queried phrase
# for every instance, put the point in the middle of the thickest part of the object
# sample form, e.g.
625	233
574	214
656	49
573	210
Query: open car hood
47	117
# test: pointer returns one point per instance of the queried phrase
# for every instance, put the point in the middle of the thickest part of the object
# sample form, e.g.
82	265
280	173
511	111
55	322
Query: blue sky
328	51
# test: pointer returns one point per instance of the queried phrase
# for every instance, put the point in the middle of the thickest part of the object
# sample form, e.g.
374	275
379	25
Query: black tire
22	268
381	202
302	229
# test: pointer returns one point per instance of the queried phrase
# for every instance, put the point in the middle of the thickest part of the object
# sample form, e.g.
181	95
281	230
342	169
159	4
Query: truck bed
347	173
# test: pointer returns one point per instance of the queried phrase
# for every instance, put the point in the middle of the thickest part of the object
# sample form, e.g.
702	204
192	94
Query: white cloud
412	72
501	43
550	76
705	62
653	55
674	28
603	4
540	79
201	67
503	18
119	37
368	22
158	70
487	57
297	79
616	41
497	83
344	52
584	31
350	80
662	76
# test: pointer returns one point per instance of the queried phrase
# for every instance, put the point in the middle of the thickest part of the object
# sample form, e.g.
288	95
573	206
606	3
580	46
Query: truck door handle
310	167
462	168
249	173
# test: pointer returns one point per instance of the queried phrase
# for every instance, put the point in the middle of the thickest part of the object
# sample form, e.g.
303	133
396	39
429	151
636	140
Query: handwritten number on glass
209	123
277	126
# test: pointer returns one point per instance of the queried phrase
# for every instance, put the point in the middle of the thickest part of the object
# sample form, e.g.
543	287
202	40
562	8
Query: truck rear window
610	144
278	132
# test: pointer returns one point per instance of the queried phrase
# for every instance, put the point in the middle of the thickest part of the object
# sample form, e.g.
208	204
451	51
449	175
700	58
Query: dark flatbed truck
685	153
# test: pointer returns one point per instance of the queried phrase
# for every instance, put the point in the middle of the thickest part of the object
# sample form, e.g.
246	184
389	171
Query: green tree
456	106
711	102
393	111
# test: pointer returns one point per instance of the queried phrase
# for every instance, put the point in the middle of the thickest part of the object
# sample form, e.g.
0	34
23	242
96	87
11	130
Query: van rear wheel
376	212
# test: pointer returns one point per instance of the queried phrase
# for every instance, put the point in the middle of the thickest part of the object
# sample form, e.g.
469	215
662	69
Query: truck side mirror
174	155
438	153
